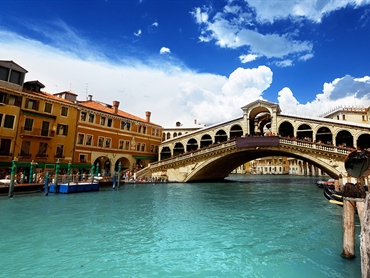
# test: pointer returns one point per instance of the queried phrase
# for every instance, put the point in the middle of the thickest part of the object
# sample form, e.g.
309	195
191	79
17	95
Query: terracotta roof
47	96
109	109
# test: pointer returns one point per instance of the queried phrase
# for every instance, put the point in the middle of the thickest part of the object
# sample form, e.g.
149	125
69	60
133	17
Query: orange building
43	129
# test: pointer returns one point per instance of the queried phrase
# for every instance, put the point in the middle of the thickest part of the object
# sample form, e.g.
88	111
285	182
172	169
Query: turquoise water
260	226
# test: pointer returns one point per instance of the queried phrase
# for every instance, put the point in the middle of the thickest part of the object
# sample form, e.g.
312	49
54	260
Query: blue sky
184	60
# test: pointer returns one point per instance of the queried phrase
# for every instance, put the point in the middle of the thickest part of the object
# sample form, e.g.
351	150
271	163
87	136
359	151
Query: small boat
333	196
20	188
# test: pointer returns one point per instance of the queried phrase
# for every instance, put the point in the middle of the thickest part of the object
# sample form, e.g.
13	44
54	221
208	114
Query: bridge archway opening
236	131
324	135
165	153
192	145
220	136
344	139
205	141
125	164
286	129
178	149
363	141
305	132
259	120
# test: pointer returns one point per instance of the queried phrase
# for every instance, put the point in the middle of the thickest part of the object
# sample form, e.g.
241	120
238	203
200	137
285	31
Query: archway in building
363	141
305	133
286	129
236	131
178	149
165	153
220	136
259	121
102	166
344	139
125	164
324	136
205	141
192	145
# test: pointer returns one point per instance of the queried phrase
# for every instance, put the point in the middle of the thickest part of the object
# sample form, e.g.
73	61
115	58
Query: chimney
147	114
115	106
195	121
89	97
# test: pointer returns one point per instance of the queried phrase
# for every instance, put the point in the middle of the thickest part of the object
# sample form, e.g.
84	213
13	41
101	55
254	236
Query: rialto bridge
211	153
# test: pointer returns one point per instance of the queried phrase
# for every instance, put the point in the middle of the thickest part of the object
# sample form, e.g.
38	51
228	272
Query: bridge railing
232	143
318	146
187	155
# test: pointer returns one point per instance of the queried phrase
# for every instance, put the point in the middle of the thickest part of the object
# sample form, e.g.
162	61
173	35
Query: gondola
333	196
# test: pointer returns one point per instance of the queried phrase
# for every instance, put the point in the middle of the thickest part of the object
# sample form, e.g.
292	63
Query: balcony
38	132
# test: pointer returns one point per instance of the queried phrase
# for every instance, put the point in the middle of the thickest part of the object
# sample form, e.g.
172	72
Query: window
343	117
45	128
144	129
91	118
83	158
109	123
107	142
83	116
1	119
9	121
123	124
48	107
64	111
157	132
128	125
62	130
89	140
42	149
59	151
5	146
121	144
4	73
80	138
152	148
138	145
32	104
127	145
16	77
102	120
28	124
25	148
100	141
143	147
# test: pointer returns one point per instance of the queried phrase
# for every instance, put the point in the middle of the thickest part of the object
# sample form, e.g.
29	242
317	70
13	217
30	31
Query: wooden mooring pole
365	239
348	229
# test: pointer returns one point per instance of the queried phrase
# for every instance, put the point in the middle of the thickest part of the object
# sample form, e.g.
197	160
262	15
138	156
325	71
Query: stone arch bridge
211	153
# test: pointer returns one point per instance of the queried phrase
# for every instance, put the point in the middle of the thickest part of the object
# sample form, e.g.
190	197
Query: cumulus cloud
155	24
346	91
164	50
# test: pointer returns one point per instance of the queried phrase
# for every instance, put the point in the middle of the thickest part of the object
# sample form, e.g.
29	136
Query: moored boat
20	188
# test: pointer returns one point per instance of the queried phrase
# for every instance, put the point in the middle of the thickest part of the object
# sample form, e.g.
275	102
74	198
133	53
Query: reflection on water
258	226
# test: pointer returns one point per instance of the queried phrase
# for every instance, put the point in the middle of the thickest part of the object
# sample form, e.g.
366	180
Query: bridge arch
178	149
165	153
206	140
344	138
305	132
236	131
286	129
192	145
220	136
217	168
363	141
324	135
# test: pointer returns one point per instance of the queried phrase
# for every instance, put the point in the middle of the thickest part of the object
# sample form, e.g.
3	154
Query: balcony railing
38	132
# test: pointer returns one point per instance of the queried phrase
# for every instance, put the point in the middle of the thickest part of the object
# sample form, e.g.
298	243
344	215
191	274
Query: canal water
258	226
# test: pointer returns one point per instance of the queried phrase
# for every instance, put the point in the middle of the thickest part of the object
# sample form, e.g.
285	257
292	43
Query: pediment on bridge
259	106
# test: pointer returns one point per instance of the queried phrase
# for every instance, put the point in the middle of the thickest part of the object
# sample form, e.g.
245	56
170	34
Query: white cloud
341	92
233	29
164	50
248	58
138	33
155	24
313	10
284	63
